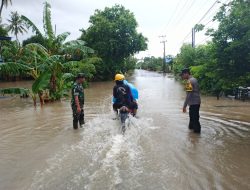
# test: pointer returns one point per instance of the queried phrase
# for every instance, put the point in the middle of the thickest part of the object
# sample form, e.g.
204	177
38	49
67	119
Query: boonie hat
80	75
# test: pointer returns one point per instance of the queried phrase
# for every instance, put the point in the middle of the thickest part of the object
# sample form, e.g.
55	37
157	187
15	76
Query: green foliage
35	39
224	63
232	41
99	65
85	66
64	83
11	52
55	44
3	30
113	35
41	82
49	40
12	70
187	56
151	64
199	27
129	64
47	25
34	55
48	60
31	25
24	92
76	48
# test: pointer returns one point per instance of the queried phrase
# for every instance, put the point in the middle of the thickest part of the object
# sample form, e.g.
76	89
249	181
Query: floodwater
39	150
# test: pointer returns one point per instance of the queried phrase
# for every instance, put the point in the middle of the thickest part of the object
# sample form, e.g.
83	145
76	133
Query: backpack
122	94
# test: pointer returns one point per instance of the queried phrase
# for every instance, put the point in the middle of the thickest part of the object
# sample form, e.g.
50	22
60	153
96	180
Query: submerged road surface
39	150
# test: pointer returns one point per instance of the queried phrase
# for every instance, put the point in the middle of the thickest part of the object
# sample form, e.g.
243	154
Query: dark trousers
130	105
77	117
194	117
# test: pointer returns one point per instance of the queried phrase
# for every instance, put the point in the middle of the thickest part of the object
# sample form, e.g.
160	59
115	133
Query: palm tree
4	2
17	25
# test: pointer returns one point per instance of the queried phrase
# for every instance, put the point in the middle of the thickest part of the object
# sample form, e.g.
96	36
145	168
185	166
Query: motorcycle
123	114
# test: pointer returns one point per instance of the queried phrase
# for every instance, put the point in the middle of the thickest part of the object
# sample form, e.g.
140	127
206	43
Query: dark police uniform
77	90
193	100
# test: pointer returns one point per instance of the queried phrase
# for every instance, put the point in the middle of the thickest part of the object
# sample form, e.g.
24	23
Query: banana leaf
29	23
76	46
41	83
13	69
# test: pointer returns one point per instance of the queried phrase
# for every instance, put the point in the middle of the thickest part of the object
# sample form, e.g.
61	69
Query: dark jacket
122	94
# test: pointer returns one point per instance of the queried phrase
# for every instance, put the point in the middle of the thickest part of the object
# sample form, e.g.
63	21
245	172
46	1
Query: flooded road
40	150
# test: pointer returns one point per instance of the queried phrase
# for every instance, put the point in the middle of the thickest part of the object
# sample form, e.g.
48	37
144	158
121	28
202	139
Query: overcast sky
173	18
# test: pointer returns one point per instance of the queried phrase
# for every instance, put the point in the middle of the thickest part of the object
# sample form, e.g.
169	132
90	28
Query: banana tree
53	42
39	87
52	79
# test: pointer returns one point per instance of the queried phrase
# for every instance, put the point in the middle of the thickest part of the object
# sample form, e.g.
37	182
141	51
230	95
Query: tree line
224	63
106	47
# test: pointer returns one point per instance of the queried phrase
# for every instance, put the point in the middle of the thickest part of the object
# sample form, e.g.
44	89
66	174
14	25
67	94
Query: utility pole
164	56
55	29
193	37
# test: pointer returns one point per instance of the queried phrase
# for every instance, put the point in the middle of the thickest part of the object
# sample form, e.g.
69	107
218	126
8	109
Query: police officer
77	101
193	100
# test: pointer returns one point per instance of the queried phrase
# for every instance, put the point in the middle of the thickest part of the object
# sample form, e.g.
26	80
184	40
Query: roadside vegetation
224	63
155	63
108	46
52	62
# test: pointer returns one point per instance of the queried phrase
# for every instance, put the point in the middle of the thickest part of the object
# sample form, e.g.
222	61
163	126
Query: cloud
159	17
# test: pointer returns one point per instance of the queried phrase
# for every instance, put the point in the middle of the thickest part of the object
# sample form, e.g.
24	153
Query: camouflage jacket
77	90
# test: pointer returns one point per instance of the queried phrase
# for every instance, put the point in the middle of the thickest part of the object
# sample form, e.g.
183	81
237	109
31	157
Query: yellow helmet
119	77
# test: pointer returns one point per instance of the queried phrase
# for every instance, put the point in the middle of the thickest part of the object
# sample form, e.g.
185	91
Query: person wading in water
193	100
77	101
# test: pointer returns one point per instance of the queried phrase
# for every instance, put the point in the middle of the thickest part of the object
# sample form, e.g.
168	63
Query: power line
203	18
181	12
213	23
187	36
216	11
203	40
200	6
185	13
172	15
183	7
208	11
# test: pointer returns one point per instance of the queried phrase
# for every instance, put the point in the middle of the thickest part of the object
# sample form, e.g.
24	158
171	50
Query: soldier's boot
81	119
75	124
82	122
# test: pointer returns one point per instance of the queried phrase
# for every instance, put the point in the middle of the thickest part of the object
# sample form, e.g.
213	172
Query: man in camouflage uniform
193	100
77	101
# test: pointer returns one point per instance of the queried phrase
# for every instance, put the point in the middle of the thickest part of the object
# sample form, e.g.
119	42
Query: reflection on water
40	150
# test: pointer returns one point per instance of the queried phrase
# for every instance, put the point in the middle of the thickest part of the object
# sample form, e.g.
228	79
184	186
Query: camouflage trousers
77	116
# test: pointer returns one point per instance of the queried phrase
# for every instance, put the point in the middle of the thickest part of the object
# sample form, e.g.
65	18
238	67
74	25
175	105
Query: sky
173	19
